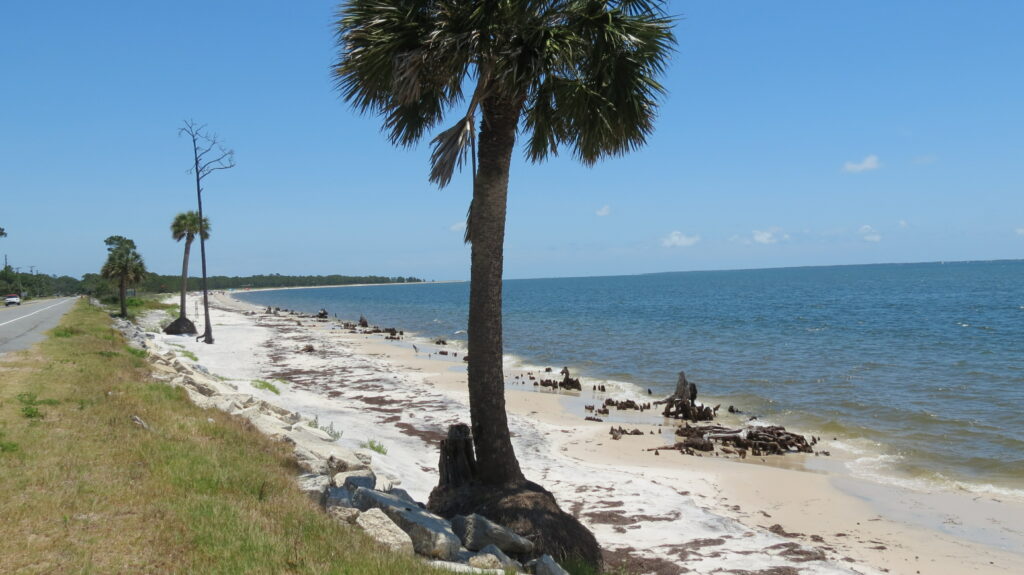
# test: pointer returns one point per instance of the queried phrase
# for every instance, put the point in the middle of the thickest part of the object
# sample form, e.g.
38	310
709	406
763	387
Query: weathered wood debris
618	432
756	440
682	404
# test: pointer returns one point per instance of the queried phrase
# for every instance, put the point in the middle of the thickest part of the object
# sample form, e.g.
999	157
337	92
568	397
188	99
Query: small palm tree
582	74
186	226
124	265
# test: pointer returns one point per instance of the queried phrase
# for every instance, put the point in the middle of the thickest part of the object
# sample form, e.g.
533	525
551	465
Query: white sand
707	515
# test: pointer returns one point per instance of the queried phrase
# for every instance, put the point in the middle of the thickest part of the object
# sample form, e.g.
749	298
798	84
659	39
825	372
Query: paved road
25	324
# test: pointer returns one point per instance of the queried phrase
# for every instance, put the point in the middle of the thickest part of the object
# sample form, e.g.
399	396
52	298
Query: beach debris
683	403
592	418
308	348
758	440
440	342
322	314
618	432
626	404
363	322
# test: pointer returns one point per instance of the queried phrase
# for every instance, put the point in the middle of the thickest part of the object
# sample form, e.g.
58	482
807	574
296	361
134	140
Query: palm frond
450	149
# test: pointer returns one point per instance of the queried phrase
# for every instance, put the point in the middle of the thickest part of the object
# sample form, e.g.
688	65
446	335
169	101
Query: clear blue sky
794	133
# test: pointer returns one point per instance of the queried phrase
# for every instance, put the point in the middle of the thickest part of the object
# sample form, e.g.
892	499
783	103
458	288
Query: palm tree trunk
123	292
497	463
184	275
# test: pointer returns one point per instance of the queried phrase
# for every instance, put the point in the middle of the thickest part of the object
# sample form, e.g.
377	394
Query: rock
383	530
477	532
326	459
305	432
338	497
352	480
201	386
431	535
346	515
545	565
315	487
404	495
485	561
504	561
462	568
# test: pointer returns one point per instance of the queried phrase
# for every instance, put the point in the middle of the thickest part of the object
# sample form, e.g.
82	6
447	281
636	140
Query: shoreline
748	511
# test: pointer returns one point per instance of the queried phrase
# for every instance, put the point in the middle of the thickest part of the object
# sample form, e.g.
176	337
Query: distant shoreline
263	289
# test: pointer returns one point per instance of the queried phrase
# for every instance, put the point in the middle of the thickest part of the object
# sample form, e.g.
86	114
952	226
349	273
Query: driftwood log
682	404
757	440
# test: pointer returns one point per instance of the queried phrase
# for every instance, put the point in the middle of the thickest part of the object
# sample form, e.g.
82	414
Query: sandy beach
658	512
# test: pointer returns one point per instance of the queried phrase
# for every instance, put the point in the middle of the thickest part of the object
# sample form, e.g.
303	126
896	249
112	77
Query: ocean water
917	370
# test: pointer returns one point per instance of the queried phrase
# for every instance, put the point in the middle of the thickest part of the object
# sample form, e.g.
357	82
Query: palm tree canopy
124	263
583	72
186	225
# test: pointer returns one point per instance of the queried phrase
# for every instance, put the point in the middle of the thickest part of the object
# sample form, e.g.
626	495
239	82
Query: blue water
916	369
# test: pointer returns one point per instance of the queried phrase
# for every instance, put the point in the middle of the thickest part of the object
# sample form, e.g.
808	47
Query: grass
261	384
329	429
189	355
375	446
85	490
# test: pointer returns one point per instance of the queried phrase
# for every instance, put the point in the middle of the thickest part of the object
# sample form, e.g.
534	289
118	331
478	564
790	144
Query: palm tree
186	226
575	73
125	265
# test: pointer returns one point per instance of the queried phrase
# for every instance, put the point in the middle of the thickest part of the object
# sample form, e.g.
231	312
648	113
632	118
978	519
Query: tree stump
457	465
181	326
682	403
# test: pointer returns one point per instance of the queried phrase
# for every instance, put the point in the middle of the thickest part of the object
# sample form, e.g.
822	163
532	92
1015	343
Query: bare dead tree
209	155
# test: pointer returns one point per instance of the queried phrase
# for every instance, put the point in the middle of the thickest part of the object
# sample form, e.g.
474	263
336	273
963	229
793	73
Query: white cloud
1020	231
866	165
678	239
903	224
457	227
769	236
604	211
869	234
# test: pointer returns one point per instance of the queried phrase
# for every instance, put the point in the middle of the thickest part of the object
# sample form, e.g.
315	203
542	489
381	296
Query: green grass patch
140	353
64	331
375	446
86	490
189	355
261	384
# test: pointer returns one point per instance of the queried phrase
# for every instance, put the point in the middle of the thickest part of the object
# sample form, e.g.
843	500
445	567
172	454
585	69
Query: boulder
326	459
485	561
353	480
545	565
504	561
304	433
462	568
404	495
338	497
346	515
477	532
315	487
200	386
431	535
383	530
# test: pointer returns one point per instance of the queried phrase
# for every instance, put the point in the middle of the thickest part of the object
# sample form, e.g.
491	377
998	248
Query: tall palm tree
186	226
576	73
124	265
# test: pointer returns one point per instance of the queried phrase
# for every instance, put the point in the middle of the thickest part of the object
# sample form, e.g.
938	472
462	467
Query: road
25	324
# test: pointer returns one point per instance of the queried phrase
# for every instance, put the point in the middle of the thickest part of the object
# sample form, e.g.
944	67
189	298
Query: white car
12	299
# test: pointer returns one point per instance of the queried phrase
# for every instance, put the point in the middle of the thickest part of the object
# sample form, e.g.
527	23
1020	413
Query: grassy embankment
83	489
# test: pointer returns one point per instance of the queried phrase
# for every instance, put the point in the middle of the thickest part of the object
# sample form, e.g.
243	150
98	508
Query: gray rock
485	561
431	535
338	497
353	480
545	565
477	532
315	487
462	568
504	561
346	515
382	529
404	495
